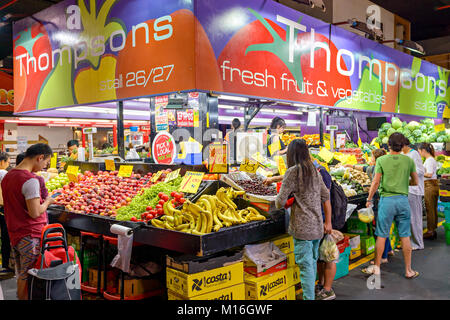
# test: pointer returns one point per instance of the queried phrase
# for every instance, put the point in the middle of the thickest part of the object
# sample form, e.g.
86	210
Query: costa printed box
236	292
261	288
290	260
293	275
288	294
191	285
285	243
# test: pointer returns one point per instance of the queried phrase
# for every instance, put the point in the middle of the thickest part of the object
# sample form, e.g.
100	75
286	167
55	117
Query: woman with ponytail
426	150
306	223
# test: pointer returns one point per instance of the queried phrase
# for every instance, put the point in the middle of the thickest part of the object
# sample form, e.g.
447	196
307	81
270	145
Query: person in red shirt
25	211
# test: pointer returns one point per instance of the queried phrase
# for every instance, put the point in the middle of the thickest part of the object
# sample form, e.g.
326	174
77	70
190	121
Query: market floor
432	284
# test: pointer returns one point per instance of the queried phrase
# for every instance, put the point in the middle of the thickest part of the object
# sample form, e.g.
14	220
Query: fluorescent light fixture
222	106
233	98
288	111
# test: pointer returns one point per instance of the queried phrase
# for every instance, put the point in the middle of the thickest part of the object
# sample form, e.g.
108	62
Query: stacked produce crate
444	197
279	285
215	278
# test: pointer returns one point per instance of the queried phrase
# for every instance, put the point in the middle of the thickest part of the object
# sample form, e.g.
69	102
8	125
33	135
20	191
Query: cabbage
386	126
422	139
412	140
396	123
390	131
429	139
417	133
400	130
404	123
406	132
423	128
413	125
385	140
447	138
441	133
379	140
432	137
441	139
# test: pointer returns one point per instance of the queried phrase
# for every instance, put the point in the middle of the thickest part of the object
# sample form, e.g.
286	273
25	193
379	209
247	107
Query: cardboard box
355	253
236	292
136	287
191	285
263	258
367	245
284	242
261	288
193	264
290	260
263	269
355	240
293	274
111	278
288	294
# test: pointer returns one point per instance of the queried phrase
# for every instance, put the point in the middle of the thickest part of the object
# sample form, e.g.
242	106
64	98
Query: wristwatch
369	200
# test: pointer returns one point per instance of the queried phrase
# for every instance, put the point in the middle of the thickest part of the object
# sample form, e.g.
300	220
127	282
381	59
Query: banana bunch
210	213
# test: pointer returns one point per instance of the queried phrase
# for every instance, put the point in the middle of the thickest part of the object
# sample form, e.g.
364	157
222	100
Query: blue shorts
394	209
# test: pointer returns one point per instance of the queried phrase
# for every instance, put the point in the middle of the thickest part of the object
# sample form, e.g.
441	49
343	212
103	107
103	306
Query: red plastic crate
343	244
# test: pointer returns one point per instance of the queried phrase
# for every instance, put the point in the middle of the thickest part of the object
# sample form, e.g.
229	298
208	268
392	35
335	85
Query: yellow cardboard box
290	260
288	294
236	292
191	285
261	288
293	275
285	242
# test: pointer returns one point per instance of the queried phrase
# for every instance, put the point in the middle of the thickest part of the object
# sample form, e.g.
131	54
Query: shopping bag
366	215
328	250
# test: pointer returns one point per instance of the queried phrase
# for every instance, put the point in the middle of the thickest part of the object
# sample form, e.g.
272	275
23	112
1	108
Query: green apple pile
57	182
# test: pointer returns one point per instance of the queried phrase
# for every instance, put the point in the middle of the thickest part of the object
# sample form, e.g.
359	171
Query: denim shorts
394	209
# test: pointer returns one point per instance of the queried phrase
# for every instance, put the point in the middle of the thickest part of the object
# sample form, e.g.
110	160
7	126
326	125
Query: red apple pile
176	199
102	193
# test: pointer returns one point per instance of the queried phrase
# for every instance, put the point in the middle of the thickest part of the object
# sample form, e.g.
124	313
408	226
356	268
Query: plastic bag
328	250
350	208
337	235
366	215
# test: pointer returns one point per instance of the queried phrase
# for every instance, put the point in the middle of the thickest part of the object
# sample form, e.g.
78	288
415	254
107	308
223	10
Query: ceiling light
222	106
234	98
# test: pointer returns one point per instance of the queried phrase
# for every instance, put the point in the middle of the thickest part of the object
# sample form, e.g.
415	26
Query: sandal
372	262
416	274
370	270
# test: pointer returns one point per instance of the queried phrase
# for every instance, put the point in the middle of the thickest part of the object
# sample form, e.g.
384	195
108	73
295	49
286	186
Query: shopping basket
57	272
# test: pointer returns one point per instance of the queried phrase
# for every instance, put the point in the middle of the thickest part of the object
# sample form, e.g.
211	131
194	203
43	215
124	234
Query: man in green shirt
392	176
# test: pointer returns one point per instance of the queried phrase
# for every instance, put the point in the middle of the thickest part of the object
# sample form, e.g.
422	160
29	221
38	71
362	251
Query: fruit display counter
214	219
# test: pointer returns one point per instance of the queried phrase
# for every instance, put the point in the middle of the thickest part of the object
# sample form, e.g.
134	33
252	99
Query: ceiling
427	20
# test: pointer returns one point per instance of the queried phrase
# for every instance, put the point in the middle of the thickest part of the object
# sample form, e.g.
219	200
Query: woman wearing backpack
370	170
306	222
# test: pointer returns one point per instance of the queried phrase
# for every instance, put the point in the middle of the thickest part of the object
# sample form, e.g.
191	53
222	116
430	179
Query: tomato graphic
167	65
35	42
266	67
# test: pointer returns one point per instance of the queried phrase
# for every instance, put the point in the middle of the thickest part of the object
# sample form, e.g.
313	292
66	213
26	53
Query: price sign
218	158
109	165
172	176
191	182
446	165
281	166
156	176
439	127
54	160
326	155
125	171
352	160
249	166
264	172
72	173
274	147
